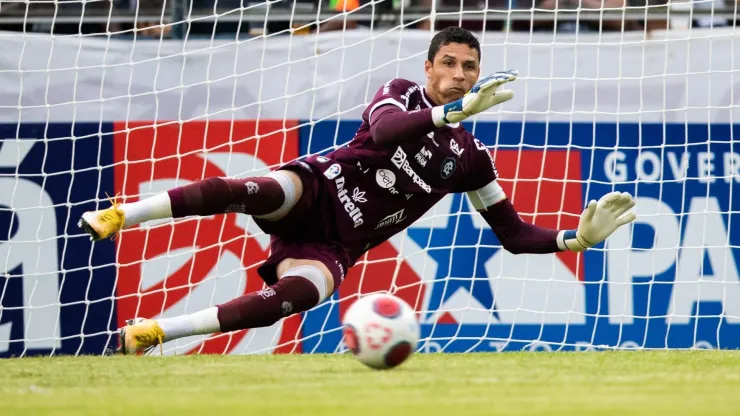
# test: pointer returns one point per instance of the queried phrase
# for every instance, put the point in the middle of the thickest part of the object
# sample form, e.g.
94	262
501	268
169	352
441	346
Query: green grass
595	383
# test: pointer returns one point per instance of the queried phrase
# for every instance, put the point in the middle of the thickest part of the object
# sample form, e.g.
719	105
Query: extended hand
600	219
481	97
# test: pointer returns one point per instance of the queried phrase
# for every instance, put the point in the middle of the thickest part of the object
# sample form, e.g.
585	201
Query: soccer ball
380	330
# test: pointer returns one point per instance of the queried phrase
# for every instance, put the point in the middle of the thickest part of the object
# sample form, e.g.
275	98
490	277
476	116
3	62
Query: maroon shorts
305	232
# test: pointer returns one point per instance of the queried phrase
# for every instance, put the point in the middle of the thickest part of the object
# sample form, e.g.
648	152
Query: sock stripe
290	196
313	275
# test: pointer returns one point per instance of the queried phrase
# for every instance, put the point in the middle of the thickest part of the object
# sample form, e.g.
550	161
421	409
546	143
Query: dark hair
453	34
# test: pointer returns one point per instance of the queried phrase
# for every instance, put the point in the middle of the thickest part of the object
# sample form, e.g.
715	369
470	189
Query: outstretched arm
392	123
598	221
517	236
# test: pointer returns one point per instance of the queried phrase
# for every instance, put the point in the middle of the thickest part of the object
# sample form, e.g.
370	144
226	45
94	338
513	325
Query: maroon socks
252	196
290	295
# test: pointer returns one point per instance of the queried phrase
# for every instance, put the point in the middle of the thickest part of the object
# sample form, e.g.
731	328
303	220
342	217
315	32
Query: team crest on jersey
448	167
333	171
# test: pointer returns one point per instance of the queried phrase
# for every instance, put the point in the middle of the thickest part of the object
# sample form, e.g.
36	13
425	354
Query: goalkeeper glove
599	220
480	98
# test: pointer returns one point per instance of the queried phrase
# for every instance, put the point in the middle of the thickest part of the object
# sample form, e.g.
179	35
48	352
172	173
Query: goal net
134	98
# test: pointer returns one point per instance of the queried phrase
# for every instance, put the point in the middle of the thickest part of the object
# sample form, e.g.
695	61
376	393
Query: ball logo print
350	339
381	330
377	335
387	308
181	266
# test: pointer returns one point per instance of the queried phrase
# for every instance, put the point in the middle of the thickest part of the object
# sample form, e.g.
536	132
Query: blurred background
242	18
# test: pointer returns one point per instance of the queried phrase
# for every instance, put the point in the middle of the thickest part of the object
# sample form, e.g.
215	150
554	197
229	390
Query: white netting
135	97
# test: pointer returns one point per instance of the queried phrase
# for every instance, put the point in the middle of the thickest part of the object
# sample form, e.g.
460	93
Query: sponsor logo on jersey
358	195
480	146
394	218
387	87
386	179
349	206
423	156
400	160
333	171
410	91
322	159
448	167
456	148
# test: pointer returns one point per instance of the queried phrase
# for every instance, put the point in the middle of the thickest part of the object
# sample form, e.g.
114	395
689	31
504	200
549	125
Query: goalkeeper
324	212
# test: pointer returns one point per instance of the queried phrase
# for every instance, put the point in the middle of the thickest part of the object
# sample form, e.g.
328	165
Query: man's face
453	73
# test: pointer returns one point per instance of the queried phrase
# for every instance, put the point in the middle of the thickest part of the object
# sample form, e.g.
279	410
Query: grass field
595	383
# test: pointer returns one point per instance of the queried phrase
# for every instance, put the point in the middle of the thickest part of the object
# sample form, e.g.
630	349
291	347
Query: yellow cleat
103	223
140	336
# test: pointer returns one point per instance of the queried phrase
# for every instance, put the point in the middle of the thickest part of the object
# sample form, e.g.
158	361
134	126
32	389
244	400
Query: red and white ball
381	330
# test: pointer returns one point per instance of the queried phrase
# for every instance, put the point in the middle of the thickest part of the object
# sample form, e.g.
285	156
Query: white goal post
122	100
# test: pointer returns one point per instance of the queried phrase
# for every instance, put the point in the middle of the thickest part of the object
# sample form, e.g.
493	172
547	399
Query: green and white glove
481	97
599	220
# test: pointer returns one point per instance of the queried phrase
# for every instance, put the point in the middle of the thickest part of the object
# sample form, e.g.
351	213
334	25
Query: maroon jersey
377	191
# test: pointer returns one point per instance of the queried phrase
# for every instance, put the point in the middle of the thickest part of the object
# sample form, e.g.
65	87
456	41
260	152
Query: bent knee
292	188
312	270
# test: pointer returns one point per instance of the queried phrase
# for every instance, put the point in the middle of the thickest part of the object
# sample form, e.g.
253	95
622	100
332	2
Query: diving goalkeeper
324	212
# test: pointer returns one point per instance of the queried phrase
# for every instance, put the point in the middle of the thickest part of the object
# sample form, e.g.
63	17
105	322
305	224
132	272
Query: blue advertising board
670	280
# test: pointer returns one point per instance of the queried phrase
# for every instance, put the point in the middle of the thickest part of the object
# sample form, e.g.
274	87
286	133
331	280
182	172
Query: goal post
136	112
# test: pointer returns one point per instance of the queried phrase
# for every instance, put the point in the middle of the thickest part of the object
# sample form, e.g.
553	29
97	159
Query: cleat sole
88	229
121	341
